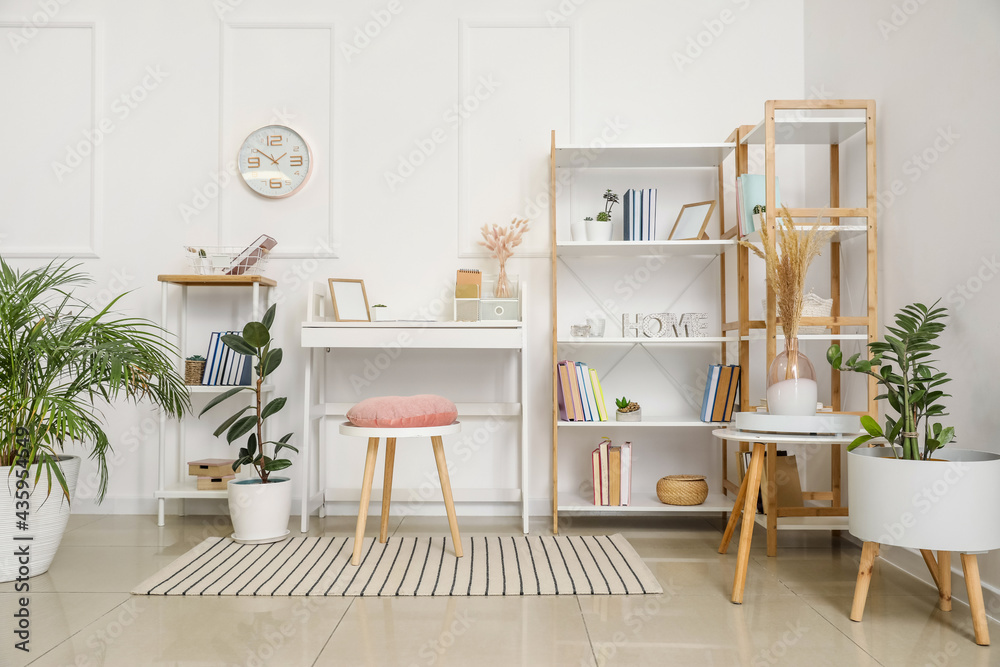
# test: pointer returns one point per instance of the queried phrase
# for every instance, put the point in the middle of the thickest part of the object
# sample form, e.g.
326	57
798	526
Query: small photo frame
692	221
350	302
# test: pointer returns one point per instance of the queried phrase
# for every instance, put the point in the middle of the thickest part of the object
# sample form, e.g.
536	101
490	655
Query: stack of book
212	474
639	215
580	396
612	474
223	366
721	391
751	192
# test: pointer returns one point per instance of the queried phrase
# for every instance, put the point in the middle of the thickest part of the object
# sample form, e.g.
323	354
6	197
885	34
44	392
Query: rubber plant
256	343
902	365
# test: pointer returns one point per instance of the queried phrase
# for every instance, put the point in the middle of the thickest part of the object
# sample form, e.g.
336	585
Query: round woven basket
193	371
682	489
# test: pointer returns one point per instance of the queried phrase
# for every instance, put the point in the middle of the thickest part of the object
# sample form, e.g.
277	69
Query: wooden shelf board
806	522
840	232
649	422
414	324
642	503
643	156
823	336
809	130
831	321
191	280
644	341
709	247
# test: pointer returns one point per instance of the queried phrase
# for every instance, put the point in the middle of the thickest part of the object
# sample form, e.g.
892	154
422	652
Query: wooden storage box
212	468
214	483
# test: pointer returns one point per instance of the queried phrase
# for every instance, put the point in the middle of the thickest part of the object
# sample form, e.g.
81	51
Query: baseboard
911	562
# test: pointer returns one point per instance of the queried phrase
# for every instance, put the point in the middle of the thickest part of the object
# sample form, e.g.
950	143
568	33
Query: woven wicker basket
682	489
193	371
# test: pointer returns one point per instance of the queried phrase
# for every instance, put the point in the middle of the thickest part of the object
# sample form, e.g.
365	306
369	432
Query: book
605	490
734	388
649	215
626	476
628	215
789	487
721	393
614	476
468	284
711	386
595	461
246	374
566	412
210	357
602	408
582	389
224	354
588	385
574	391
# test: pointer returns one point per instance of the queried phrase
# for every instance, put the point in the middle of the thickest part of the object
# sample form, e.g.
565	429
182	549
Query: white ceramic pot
947	505
46	520
383	314
599	232
260	512
634	416
578	230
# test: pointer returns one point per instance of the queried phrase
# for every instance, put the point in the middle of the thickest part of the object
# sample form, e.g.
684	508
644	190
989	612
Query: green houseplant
260	506
60	358
628	411
902	365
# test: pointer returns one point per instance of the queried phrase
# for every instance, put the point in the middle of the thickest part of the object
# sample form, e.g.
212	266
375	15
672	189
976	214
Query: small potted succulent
628	411
381	313
600	229
194	369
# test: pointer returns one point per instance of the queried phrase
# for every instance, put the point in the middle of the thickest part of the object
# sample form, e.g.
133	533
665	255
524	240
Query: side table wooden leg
771	461
390	457
970	566
449	503
944	580
932	566
749	514
864	579
366	494
734	516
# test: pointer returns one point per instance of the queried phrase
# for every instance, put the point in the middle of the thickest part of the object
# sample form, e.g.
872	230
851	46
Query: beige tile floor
795	610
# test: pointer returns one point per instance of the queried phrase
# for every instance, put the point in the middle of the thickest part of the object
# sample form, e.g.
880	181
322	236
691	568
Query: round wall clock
275	161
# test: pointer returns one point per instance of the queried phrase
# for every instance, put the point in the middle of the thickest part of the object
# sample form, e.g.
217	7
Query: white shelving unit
645	156
184	487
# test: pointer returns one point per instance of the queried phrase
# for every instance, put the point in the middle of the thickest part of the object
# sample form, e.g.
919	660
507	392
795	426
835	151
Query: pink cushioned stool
392	417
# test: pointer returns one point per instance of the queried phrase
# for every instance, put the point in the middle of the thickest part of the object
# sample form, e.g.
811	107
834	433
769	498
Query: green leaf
241	428
947	435
279	447
236	342
271	362
871	426
221	397
229	422
276	464
251	444
860	440
272	407
833	355
268	318
256	334
894	431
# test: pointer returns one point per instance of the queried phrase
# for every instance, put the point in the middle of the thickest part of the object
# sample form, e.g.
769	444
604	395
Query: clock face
275	161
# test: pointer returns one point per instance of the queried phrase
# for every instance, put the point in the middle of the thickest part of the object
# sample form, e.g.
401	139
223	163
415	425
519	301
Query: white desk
318	333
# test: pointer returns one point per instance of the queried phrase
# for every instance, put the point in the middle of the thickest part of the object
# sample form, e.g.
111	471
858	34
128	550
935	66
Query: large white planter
260	512
47	518
947	505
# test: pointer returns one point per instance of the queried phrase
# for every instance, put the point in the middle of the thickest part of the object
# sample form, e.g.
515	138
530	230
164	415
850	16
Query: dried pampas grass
787	261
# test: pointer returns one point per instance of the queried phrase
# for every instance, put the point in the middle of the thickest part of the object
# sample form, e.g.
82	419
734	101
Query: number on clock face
274	161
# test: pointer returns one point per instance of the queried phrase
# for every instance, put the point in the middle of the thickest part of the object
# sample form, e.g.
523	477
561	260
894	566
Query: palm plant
903	366
59	355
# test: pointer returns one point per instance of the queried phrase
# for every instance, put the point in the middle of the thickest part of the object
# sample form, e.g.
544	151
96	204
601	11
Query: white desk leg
524	428
321	434
306	436
181	432
162	441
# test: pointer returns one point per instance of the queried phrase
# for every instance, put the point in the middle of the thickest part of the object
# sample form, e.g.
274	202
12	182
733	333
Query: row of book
639	215
751	192
223	366
721	392
612	474
581	398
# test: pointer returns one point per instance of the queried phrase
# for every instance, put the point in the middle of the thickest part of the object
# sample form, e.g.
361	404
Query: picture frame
692	221
350	301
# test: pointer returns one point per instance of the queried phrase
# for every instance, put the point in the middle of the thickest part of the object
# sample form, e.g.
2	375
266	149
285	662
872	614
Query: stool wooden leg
972	584
864	579
449	503
944	580
390	456
366	494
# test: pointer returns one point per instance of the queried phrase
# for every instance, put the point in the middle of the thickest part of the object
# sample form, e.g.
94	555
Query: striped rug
409	566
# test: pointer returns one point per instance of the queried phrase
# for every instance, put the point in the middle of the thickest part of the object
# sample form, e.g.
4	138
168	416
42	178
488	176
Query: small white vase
383	314
599	231
260	512
578	230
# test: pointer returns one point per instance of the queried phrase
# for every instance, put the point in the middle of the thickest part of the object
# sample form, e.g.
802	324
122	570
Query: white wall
933	70
197	79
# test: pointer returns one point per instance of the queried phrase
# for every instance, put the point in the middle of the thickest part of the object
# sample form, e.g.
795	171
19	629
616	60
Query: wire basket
226	260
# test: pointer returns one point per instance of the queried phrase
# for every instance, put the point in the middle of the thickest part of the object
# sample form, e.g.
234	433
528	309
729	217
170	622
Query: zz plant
902	365
256	343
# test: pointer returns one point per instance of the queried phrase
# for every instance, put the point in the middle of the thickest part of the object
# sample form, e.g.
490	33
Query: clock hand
279	157
267	156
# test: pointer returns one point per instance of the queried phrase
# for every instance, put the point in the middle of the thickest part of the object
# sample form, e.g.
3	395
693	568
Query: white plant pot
947	505
598	231
383	314
46	520
260	512
578	230
634	416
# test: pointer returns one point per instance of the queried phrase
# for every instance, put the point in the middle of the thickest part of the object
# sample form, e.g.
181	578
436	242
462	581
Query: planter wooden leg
970	566
749	514
366	494
944	580
864	579
932	565
390	457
